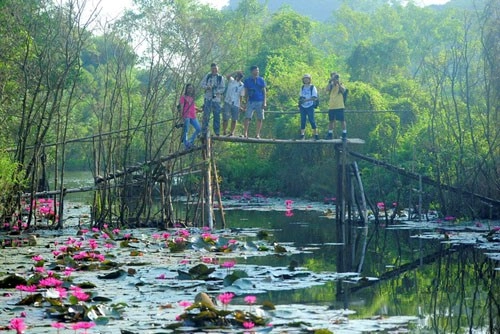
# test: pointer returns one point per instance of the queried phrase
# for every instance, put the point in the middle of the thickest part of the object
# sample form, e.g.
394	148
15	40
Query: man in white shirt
232	102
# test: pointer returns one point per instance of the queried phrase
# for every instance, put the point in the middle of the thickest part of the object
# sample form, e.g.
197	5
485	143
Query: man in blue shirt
255	91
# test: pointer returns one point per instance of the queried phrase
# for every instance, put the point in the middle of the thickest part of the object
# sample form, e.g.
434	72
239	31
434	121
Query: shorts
256	106
231	112
336	115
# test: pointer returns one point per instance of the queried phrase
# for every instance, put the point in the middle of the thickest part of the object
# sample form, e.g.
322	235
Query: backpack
315	102
219	79
344	95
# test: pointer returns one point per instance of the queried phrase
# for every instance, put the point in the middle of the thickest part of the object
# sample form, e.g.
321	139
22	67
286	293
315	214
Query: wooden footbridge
210	189
163	171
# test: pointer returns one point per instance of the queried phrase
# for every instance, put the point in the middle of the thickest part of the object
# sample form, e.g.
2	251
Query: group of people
249	95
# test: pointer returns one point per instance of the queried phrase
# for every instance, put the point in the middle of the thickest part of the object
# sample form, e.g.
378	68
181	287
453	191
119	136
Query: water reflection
451	289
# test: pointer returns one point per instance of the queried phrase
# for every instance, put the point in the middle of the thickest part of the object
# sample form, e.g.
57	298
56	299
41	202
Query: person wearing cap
232	102
336	105
307	99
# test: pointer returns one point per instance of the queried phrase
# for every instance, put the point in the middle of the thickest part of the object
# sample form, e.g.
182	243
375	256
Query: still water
450	288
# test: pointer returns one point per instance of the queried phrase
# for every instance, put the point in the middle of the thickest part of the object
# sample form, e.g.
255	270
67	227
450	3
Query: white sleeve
315	92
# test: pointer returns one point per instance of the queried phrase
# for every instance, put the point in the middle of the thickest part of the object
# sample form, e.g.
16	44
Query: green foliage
437	69
11	182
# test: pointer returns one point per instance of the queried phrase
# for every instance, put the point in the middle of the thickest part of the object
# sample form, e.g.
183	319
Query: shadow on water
450	288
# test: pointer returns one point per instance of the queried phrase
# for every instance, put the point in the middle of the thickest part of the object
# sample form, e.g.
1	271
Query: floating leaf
113	275
136	253
262	235
12	281
87	285
235	275
279	249
31	299
101	321
267	305
200	272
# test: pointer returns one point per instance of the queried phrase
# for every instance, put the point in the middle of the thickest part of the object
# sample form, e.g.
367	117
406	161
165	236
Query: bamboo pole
426	179
207	157
218	194
364	212
287	141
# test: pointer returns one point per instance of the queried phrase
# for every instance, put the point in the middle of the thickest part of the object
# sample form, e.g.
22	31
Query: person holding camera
308	100
255	91
214	85
336	105
188	113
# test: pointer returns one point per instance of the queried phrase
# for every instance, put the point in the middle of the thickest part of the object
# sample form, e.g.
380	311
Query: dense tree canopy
424	90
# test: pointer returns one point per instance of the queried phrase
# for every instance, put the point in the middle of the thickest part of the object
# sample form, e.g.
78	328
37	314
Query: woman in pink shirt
188	109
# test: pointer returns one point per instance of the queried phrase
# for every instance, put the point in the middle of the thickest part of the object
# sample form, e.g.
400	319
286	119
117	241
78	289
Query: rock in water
205	299
32	240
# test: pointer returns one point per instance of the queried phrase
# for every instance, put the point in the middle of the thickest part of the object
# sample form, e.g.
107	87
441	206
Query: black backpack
219	79
315	102
344	95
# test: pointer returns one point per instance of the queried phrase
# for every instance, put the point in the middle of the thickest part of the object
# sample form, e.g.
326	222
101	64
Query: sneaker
316	137
344	136
329	135
302	137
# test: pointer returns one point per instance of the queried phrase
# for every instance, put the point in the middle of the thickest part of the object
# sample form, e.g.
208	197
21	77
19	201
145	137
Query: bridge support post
344	232
207	179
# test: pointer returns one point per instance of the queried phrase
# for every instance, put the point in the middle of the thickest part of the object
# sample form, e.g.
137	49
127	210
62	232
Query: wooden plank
285	141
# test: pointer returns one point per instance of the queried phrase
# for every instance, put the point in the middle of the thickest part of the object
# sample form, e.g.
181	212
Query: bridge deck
286	141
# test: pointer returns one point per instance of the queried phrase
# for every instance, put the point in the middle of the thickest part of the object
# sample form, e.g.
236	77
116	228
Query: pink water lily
50	282
228	264
63	293
185	303
225	298
58	325
79	294
250	299
248	324
82	325
18	325
27	288
40	270
37	258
